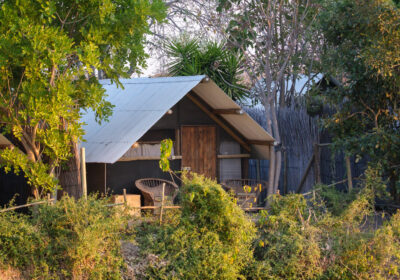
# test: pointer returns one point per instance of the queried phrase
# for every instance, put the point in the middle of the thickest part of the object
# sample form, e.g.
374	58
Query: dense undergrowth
334	235
68	240
331	236
209	239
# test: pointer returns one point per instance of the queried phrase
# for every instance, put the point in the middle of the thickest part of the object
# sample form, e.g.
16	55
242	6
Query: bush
211	239
71	239
299	239
336	201
366	255
359	251
288	244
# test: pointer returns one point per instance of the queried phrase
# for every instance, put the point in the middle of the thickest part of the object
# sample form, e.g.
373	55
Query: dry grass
9	273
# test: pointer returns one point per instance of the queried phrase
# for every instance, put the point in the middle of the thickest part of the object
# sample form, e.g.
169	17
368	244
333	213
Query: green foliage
367	256
166	151
363	47
71	239
296	238
36	173
211	238
49	52
336	201
222	65
373	181
288	244
301	239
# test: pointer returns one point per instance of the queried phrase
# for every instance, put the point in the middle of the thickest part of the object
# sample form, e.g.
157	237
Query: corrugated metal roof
138	106
144	101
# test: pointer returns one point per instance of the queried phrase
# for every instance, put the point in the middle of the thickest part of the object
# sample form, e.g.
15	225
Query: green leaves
210	239
67	240
50	52
362	46
35	173
221	64
166	150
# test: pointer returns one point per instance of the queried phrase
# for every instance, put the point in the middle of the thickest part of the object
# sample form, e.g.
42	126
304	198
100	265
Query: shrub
212	239
288	244
71	239
361	255
361	252
299	239
336	201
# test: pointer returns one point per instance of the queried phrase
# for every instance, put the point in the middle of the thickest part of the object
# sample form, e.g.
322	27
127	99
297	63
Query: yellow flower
247	188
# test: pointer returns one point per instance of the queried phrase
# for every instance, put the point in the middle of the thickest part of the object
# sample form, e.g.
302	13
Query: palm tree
222	65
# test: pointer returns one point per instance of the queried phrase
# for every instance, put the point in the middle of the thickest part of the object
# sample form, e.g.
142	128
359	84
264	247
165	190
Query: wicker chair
247	199
151	189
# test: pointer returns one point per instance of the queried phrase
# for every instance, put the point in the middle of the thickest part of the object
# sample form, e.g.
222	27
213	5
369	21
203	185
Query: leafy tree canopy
363	46
49	54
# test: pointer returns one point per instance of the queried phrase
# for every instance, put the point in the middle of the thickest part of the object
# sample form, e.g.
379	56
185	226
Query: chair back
152	189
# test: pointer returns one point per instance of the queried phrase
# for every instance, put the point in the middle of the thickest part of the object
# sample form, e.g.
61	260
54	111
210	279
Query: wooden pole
271	174
105	178
349	179
285	172
25	205
152	207
55	195
83	171
125	200
177	148
162	203
317	164
258	171
303	179
245	167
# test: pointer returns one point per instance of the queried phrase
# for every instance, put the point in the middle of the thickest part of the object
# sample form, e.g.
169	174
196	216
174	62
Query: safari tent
211	134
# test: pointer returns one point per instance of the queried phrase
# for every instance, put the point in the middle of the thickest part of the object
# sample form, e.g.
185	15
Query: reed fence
300	134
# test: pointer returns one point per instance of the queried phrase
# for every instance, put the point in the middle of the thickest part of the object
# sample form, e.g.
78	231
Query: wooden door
199	150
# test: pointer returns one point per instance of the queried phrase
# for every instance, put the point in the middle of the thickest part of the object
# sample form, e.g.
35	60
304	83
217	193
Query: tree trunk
272	160
278	153
34	191
282	92
349	176
70	176
271	173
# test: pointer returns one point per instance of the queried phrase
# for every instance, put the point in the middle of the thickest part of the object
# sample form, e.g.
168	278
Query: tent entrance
199	150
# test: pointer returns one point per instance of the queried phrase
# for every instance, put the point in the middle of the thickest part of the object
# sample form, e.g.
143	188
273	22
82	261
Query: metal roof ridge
108	142
160	80
135	110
